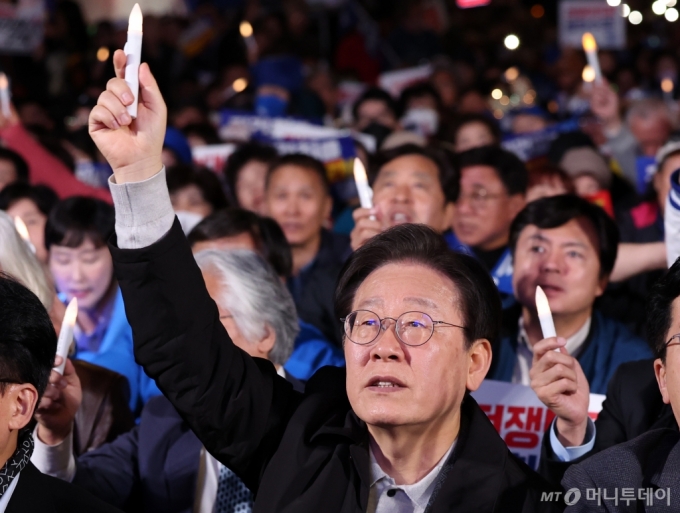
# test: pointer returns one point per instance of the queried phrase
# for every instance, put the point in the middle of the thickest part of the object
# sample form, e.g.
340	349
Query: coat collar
472	478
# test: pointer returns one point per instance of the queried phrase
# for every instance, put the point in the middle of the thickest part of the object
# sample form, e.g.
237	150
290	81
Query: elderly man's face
422	385
408	190
668	373
217	290
564	261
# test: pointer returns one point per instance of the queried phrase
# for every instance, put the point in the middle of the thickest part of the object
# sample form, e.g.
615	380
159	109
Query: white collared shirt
7	496
385	496
525	352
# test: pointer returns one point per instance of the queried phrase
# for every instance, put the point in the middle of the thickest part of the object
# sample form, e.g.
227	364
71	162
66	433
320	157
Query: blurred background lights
635	17
103	54
511	74
625	10
496	94
659	7
671	14
511	42
537	11
614	3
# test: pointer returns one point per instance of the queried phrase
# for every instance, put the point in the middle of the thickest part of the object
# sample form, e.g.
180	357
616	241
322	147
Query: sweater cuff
144	212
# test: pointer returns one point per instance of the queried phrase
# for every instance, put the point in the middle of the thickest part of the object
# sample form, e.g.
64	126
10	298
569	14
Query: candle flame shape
21	228
136	19
239	85
361	180
4	83
667	85
589	44
71	313
246	29
544	314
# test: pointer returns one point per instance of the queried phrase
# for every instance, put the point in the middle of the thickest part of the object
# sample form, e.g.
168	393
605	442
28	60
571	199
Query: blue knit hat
175	141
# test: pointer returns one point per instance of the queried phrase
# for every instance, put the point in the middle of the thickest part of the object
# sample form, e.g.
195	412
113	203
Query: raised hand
366	224
59	405
132	147
559	382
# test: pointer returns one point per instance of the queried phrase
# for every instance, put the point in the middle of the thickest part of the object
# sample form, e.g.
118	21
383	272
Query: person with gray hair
160	465
254	304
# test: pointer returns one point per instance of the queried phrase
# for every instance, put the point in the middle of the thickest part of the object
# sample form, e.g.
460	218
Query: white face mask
188	220
421	120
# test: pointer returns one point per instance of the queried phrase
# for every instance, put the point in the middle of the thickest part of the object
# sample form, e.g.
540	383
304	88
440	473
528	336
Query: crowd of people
251	338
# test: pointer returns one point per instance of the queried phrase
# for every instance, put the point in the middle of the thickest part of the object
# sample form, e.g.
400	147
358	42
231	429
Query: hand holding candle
133	52
544	314
5	96
66	333
590	48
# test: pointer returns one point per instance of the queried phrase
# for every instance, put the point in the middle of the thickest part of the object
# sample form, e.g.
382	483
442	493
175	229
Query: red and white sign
213	156
603	21
520	417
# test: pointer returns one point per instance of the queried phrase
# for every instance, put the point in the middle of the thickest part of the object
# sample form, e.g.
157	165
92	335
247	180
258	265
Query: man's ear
602	285
479	360
517	203
660	373
266	343
22	400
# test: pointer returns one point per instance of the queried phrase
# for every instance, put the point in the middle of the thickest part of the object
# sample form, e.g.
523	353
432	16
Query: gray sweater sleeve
144	213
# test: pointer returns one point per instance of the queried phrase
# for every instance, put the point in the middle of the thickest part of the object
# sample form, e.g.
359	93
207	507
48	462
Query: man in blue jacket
567	246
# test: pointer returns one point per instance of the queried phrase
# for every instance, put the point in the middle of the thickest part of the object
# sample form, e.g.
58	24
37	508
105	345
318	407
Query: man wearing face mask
195	194
375	113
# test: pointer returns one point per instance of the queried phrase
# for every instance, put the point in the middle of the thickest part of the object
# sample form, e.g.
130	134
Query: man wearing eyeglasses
493	183
396	432
650	463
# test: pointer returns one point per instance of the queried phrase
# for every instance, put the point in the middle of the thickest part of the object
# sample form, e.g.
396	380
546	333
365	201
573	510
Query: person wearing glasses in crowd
493	184
650	463
396	431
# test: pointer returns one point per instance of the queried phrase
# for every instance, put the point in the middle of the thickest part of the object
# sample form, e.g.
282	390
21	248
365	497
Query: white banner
394	82
520	417
212	156
604	22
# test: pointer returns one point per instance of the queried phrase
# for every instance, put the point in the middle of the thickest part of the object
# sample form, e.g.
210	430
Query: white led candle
590	48
133	52
545	315
66	333
361	180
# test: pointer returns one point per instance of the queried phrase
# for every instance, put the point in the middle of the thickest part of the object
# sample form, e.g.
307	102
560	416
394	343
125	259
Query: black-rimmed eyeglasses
412	328
670	340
